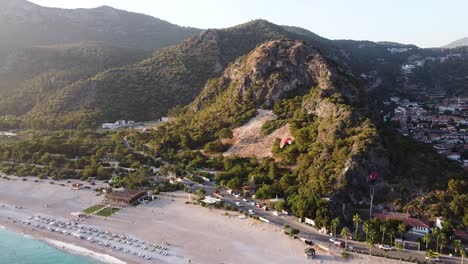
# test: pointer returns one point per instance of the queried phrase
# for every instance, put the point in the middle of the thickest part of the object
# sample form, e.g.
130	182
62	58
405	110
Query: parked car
251	212
385	247
243	199
253	203
339	243
332	240
309	253
238	204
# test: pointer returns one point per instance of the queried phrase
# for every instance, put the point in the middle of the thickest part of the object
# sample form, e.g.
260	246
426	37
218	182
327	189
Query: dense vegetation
76	155
335	145
32	76
172	76
19	21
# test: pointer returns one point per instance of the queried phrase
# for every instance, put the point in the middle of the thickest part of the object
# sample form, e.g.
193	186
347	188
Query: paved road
313	235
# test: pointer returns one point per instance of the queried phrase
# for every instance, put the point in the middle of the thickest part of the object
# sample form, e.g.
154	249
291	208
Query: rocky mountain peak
275	70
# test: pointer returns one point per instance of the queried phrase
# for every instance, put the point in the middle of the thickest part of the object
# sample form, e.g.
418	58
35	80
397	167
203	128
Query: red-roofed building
418	226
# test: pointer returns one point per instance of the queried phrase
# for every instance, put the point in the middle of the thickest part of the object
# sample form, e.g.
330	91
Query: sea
19	249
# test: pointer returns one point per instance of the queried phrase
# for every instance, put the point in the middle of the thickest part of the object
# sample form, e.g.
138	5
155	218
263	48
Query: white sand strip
70	248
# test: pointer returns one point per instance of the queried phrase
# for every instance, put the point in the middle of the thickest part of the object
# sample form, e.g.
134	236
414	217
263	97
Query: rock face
276	70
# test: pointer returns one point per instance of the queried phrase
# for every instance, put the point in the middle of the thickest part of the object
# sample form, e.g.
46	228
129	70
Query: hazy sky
426	23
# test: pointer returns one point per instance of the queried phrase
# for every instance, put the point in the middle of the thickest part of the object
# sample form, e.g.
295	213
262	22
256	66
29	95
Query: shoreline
66	247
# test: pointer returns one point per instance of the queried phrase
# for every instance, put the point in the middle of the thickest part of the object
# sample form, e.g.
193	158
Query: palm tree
391	234
457	245
335	223
366	228
399	247
346	233
383	229
442	242
436	234
371	240
356	220
401	229
427	238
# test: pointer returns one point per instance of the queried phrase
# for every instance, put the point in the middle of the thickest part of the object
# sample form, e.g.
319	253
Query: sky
426	23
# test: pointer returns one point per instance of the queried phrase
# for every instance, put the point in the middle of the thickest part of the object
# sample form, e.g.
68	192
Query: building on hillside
123	198
417	226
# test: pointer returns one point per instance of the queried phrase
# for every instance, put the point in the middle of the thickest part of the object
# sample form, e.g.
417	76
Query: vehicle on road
385	247
339	244
309	253
243	199
253	203
332	240
238	204
251	212
276	213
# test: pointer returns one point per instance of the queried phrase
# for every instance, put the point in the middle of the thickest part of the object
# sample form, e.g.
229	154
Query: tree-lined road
311	234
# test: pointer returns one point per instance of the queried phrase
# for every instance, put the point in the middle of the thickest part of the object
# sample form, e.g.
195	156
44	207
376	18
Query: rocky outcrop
276	70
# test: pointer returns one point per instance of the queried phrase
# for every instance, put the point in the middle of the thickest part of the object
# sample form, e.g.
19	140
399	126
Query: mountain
172	76
27	24
336	142
29	76
457	43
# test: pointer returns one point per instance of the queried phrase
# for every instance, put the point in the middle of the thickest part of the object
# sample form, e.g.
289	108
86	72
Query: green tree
436	233
427	238
234	184
463	255
356	220
366	228
371	240
335	223
279	206
201	194
346	234
457	245
399	247
401	229
383	229
442	242
225	133
264	192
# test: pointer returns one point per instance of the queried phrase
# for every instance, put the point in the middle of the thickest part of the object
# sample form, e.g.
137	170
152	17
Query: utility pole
373	177
371	200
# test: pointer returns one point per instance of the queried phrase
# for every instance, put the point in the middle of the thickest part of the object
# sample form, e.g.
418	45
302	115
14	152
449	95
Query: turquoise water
18	249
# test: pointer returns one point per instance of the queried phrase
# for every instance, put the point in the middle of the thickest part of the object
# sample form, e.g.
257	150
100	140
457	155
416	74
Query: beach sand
192	232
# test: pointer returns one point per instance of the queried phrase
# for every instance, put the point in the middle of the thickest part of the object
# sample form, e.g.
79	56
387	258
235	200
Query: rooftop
405	218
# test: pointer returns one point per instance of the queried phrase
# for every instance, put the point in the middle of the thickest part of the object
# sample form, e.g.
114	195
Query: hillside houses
444	125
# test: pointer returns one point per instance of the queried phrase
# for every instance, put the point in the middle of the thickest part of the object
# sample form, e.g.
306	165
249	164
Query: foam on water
20	249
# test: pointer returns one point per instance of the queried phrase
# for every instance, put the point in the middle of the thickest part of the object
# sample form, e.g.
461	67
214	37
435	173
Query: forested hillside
29	77
335	144
27	25
172	76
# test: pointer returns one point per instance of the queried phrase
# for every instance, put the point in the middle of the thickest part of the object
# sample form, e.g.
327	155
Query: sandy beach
192	233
